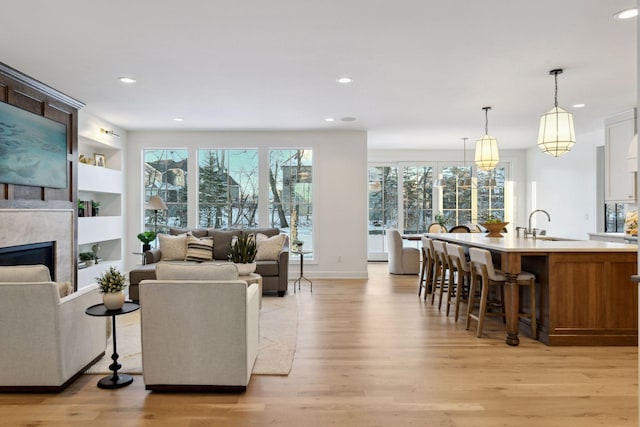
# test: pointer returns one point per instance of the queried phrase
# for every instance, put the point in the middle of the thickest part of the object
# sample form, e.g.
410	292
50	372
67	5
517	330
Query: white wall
340	191
565	187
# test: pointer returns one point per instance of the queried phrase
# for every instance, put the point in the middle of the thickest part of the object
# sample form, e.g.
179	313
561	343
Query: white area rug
278	335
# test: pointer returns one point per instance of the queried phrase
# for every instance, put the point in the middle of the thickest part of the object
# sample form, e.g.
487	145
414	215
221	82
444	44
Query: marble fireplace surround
25	226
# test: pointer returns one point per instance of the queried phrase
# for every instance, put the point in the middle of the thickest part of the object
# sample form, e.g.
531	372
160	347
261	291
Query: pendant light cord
556	97
486	120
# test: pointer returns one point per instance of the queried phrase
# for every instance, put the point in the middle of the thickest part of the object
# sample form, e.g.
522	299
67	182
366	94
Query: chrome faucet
530	230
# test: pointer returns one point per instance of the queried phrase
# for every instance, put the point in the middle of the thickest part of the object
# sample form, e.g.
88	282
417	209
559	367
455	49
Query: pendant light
487	157
556	135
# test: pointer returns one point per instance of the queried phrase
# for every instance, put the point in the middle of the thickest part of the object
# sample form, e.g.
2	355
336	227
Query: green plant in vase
95	208
243	253
146	237
112	283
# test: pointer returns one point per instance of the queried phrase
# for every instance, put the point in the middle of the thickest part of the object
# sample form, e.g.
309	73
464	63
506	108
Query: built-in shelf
103	232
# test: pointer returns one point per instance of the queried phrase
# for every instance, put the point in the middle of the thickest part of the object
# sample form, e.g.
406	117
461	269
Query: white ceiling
422	69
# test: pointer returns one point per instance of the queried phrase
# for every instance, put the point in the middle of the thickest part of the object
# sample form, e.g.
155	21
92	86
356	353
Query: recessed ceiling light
178	119
348	119
127	80
578	105
344	80
329	119
627	13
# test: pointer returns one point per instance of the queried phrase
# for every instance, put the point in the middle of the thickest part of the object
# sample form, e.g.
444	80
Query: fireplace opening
31	254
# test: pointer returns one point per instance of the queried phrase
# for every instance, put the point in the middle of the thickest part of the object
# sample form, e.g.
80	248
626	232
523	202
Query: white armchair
200	328
401	260
47	341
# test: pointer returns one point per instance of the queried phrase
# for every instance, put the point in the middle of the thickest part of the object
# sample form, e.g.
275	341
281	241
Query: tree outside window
456	195
417	198
291	193
491	193
227	188
383	205
165	175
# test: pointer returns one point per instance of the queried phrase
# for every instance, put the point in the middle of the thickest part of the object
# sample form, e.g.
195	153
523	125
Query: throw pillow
199	249
173	248
204	271
269	247
65	289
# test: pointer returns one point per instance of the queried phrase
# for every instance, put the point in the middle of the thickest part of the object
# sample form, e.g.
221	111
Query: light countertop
511	243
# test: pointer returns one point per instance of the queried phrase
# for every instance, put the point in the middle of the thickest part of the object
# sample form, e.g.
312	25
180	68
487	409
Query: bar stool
482	266
458	263
443	275
427	268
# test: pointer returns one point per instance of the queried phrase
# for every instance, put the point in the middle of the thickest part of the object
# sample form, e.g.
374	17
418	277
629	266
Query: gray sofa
275	273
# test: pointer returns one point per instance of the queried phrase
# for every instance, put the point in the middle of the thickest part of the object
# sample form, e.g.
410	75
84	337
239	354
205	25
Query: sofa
47	340
200	328
274	271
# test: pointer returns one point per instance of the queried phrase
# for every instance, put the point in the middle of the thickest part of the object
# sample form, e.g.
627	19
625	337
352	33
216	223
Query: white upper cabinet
619	182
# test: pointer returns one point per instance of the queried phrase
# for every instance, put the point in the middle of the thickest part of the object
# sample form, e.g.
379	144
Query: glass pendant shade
556	136
487	157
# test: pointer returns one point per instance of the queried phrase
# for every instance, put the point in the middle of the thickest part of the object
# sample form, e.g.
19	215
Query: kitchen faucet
531	230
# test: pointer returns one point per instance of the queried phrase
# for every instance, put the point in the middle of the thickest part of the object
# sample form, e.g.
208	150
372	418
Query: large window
456	195
491	193
383	205
291	193
165	175
227	188
417	197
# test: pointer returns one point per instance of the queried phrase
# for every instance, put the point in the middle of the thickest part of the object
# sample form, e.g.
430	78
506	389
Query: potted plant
80	208
243	254
112	283
494	225
442	221
87	257
95	208
146	237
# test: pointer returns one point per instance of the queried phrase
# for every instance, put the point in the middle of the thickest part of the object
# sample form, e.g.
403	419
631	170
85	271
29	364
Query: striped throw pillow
199	249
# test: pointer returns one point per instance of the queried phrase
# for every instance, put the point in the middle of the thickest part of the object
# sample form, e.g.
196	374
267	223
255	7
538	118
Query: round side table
116	380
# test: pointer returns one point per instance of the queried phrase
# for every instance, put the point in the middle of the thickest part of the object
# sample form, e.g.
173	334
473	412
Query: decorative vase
494	228
146	247
245	269
113	300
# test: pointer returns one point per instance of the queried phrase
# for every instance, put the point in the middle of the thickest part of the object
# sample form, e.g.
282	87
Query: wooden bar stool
458	263
482	267
442	271
426	271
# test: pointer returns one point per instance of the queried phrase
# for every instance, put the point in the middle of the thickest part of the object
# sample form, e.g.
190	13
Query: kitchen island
584	291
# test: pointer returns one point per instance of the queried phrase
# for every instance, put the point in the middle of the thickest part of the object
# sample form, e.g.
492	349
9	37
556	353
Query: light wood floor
370	353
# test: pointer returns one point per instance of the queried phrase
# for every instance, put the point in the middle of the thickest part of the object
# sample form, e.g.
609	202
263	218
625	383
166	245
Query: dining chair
426	271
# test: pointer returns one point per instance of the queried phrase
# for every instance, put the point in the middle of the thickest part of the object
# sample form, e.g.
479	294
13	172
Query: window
383	205
491	193
457	195
291	193
417	197
165	175
227	188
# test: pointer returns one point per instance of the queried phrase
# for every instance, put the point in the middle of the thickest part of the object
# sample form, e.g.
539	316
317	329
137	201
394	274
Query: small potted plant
95	208
87	257
494	225
80	208
112	283
146	237
243	254
442	221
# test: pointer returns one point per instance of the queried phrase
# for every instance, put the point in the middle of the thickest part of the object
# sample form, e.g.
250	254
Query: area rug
278	335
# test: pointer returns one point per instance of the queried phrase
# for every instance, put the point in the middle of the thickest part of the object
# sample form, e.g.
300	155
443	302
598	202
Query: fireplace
31	254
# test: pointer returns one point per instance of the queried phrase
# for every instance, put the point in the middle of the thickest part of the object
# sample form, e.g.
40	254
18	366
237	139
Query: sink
555	239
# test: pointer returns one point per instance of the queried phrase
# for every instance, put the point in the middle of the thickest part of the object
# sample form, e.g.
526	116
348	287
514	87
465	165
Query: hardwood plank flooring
371	353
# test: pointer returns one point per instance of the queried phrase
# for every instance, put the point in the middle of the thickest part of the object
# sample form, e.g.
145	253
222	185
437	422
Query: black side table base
121	380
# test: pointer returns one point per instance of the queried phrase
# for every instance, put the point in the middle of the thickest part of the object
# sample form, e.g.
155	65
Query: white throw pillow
269	247
173	248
